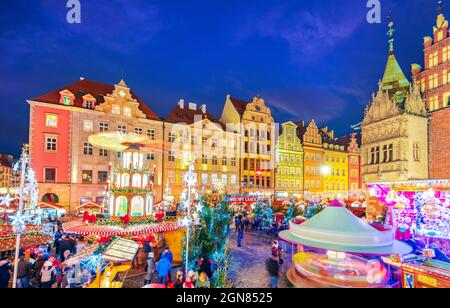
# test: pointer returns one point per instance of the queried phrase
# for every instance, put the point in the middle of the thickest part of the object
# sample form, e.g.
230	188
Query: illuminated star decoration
18	222
199	208
185	222
6	200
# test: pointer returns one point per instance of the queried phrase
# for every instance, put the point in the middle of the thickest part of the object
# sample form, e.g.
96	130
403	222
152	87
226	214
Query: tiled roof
301	129
187	116
345	141
97	90
240	105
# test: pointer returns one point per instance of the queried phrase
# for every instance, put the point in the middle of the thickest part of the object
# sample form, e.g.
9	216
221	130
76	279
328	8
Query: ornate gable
382	107
121	102
312	134
414	103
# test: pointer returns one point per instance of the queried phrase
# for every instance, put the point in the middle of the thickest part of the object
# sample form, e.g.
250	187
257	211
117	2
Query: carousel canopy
336	228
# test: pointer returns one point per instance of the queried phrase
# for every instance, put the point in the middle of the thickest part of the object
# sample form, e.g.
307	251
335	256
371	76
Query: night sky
308	59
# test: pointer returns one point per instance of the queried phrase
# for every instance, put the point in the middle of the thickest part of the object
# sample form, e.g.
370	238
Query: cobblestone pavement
248	268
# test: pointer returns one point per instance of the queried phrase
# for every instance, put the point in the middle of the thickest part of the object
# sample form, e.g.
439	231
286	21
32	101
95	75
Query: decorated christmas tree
292	212
210	234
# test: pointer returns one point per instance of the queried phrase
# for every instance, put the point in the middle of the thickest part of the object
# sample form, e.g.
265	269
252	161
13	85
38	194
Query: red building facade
434	82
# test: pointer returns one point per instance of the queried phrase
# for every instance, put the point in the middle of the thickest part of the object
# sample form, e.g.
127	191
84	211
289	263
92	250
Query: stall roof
50	205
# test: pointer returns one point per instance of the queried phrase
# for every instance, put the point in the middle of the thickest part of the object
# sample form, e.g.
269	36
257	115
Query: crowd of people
44	267
162	271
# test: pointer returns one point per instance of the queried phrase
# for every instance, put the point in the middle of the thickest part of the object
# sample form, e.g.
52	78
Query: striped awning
81	228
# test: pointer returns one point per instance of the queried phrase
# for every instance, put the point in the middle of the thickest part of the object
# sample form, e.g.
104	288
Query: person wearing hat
48	273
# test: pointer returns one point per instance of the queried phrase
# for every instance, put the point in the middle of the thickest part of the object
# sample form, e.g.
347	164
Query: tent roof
336	228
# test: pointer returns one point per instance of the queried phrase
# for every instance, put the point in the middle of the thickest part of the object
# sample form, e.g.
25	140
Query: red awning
89	205
49	206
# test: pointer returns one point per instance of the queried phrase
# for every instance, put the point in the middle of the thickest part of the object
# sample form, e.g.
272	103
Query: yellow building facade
335	168
255	125
290	156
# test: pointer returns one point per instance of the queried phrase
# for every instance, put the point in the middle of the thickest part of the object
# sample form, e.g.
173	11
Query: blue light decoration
94	263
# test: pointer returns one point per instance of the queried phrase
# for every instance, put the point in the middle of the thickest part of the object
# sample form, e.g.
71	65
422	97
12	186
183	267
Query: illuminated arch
136	181
125	180
121	206
150	203
137	207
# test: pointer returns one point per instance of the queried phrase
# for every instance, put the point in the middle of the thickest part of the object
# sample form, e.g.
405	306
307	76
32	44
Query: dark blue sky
308	59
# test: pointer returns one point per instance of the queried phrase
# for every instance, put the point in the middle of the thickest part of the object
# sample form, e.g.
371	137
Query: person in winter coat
48	274
23	273
169	256
205	266
273	267
37	267
149	269
5	273
191	279
240	235
203	282
179	282
163	269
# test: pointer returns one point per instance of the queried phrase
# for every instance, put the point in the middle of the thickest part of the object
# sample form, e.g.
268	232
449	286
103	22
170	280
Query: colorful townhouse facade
190	129
242	153
313	157
335	167
7	175
290	159
353	145
434	83
254	123
69	170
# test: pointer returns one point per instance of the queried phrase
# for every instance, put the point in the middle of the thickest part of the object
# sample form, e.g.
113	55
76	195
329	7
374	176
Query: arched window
127	160
150	202
144	181
125	180
136	180
50	198
137	207
121	206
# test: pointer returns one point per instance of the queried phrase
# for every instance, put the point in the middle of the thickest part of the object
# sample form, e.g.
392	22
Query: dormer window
89	104
67	100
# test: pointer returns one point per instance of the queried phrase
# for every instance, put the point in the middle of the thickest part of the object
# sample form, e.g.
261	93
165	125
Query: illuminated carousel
337	249
129	196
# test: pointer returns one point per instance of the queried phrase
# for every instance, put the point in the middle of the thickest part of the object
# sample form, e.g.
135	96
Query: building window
138	131
50	144
224	161
391	153
214	160
233	162
445	54
50	175
116	109
67	101
102	177
204	159
127	111
104	127
204	179
51	120
88	126
122	129
88	148
171	177
172	137
233	179
87	176
416	152
171	156
151	156
103	153
151	134
89	104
